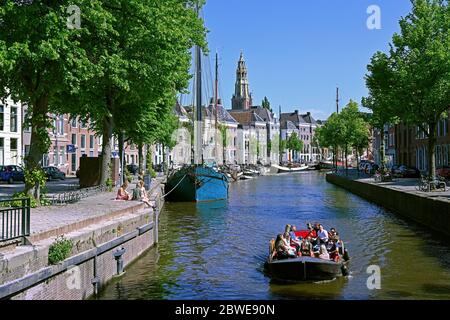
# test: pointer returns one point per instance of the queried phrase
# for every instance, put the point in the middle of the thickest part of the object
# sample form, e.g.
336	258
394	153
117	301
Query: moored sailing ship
198	182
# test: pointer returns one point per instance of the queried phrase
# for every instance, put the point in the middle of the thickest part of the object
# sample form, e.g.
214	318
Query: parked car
54	173
444	172
133	169
12	173
404	171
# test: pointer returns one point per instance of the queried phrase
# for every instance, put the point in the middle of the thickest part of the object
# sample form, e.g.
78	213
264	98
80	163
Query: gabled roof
180	111
308	118
245	117
264	113
289	125
223	115
295	117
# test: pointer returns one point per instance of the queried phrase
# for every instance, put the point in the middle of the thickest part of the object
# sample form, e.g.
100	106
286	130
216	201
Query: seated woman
122	193
283	250
143	194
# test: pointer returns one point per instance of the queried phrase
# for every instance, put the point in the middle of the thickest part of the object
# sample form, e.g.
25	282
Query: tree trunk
382	150
106	149
431	151
39	144
141	158
357	160
121	142
346	157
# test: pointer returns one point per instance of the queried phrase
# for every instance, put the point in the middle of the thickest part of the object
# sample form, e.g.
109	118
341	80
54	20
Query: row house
304	125
251	137
389	145
10	132
72	138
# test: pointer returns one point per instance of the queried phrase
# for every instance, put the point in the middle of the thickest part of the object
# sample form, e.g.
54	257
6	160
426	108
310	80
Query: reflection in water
217	250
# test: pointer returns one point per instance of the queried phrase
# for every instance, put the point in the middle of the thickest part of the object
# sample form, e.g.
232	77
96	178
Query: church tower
242	98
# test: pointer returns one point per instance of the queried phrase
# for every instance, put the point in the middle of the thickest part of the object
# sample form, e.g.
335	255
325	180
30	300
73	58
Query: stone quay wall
423	209
26	275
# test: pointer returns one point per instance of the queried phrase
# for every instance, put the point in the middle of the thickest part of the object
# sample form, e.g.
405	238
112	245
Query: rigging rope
179	182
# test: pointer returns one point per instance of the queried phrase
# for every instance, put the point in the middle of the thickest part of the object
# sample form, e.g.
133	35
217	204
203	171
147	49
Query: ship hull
198	184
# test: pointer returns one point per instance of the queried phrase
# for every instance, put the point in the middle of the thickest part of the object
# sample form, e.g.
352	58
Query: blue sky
298	51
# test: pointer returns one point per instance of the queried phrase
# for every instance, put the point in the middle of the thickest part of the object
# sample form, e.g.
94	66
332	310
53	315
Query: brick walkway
46	218
403	184
60	219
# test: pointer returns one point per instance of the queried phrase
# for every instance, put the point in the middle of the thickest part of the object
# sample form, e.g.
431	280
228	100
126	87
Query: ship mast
216	102
198	147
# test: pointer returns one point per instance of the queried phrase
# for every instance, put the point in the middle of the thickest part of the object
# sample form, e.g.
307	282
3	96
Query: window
60	125
91	141
74	162
27	127
55	155
62	153
14	151
74	139
83	124
91	153
2	117
73	122
83	141
13	119
2	144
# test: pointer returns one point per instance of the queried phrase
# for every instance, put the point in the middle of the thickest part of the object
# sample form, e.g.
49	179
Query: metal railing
14	219
74	196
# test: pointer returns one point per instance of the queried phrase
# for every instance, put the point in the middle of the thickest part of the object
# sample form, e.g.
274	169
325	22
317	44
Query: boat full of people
314	254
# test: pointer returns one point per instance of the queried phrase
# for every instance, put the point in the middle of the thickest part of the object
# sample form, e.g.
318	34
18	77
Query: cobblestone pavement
47	218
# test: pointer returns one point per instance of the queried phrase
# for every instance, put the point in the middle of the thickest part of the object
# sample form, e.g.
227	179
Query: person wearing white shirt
322	234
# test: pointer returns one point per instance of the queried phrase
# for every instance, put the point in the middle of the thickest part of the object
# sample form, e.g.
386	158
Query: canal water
217	250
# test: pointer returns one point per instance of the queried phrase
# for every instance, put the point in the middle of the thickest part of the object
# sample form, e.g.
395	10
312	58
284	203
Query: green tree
39	58
266	104
282	149
294	143
143	63
420	62
223	133
381	100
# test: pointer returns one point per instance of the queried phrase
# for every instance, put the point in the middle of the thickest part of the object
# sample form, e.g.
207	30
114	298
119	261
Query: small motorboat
306	268
282	169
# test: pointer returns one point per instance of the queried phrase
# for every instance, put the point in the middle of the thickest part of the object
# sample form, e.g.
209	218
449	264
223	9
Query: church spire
242	98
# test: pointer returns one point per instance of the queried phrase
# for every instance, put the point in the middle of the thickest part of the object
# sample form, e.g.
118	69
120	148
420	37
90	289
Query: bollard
119	261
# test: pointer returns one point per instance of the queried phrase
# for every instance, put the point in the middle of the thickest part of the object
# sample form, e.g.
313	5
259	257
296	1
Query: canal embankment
430	209
106	236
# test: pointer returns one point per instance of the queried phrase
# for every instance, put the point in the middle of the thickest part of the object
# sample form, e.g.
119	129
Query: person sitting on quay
122	193
139	193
